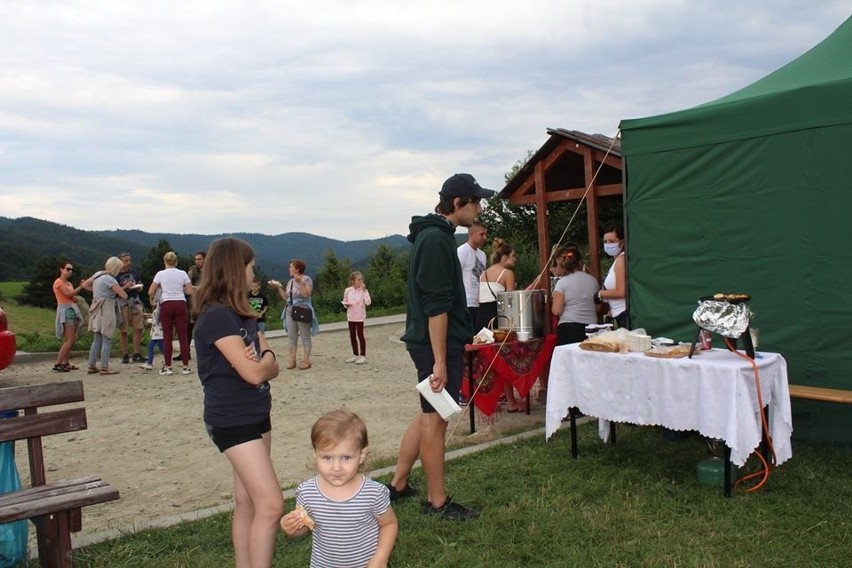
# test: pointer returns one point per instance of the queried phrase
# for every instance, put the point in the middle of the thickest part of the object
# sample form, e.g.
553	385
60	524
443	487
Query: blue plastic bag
13	536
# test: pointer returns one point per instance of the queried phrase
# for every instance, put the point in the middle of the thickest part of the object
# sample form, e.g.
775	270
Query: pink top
356	301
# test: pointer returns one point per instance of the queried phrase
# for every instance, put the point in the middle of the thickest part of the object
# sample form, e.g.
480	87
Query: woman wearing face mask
614	290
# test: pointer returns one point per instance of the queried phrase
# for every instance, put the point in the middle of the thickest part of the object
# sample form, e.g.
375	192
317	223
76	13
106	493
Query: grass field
9	290
33	327
634	505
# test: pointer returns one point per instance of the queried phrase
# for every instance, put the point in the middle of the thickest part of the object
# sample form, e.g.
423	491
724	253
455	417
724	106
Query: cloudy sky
341	118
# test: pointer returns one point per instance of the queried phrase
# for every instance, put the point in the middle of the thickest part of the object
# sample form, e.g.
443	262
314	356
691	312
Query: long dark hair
223	280
60	267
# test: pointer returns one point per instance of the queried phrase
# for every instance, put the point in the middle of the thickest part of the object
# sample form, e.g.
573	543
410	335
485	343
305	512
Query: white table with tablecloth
713	392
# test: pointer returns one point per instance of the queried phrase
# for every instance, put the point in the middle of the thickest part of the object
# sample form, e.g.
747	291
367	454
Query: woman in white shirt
614	291
175	287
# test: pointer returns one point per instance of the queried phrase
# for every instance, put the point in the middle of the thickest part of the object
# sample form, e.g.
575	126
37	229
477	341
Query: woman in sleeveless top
498	277
614	291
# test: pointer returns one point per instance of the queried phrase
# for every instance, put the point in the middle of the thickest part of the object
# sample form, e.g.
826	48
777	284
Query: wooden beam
611	160
543	241
592	216
33	396
564	147
541	216
574	194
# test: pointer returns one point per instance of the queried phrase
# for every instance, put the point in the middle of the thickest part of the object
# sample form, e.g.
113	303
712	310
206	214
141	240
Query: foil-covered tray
728	319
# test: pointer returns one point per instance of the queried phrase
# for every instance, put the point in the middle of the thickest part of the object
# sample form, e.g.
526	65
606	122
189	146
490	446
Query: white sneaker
146	366
352	359
360	360
186	371
166	371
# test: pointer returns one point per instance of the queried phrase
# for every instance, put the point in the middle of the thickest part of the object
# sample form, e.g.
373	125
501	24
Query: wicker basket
501	335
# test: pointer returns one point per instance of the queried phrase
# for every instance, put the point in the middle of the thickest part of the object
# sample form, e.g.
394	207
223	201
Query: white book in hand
440	401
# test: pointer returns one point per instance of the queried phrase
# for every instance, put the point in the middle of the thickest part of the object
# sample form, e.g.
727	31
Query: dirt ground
146	435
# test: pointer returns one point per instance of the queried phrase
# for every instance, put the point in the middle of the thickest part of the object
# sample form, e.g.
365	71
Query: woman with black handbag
298	316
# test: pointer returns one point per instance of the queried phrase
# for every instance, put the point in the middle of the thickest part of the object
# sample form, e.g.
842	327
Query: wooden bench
55	508
825	394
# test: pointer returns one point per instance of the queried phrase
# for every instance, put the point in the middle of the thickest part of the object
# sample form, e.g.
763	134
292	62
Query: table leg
727	466
572	417
764	439
470	387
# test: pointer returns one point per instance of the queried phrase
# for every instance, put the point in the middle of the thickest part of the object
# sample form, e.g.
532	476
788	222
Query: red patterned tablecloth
517	362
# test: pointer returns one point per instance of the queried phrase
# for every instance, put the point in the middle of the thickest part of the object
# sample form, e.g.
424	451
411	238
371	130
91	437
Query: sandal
58	368
70	367
291	365
304	366
108	372
92	371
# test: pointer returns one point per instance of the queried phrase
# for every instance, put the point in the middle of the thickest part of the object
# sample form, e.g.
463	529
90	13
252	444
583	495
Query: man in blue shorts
437	328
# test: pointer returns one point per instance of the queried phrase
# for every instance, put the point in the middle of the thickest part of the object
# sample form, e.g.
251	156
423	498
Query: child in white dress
156	340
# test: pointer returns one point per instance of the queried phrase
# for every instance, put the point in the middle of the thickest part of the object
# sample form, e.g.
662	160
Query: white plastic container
637	342
440	401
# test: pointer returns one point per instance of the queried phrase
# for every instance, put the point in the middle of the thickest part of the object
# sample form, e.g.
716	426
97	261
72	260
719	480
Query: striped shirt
346	533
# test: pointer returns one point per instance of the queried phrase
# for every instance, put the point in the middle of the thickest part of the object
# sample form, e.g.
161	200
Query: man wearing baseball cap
437	328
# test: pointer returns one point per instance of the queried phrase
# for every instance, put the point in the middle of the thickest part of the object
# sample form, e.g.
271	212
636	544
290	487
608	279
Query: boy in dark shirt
258	303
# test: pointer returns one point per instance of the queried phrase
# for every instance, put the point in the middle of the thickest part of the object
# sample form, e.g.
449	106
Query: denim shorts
229	436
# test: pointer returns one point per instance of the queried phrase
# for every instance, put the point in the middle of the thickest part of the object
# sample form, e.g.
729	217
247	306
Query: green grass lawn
9	290
33	327
637	504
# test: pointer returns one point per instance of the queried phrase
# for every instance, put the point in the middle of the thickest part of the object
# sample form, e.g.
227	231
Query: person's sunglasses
71	269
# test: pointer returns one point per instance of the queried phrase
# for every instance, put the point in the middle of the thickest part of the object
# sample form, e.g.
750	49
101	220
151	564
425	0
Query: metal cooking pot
522	310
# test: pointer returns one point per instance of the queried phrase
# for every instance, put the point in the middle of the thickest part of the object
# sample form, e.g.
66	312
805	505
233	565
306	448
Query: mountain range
23	241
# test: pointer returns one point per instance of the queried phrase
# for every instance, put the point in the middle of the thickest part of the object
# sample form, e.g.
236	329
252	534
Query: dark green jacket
435	283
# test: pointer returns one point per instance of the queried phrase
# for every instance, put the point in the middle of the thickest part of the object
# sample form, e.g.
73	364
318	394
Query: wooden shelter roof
567	165
563	157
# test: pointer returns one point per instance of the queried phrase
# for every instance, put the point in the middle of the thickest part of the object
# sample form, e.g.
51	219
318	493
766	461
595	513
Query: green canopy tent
752	193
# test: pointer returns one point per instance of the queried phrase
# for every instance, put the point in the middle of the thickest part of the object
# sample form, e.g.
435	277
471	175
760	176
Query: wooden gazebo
563	169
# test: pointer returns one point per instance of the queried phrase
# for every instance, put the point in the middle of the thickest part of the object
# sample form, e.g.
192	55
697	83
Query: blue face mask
612	249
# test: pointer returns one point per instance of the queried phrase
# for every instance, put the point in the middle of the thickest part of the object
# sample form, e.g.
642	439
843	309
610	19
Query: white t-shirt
473	265
171	280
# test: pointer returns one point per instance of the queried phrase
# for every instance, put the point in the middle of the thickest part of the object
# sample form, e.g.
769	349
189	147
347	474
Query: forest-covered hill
23	241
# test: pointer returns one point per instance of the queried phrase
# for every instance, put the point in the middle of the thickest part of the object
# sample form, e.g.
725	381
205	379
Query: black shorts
570	332
229	436
424	361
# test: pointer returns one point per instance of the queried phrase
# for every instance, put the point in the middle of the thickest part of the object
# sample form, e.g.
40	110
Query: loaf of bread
670	351
600	346
733	298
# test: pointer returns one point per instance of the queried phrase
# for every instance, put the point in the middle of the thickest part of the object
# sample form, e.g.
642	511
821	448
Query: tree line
385	274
